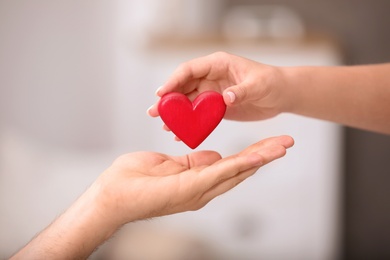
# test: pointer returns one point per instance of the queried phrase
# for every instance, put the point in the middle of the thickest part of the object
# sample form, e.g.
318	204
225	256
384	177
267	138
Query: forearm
75	234
356	96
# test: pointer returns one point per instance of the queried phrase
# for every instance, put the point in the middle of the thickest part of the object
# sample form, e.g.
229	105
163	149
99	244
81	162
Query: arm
143	185
357	96
75	234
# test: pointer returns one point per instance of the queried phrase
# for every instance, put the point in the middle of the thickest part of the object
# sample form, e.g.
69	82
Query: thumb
236	94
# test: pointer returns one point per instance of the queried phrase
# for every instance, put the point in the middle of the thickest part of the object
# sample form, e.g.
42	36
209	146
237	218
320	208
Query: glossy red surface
192	122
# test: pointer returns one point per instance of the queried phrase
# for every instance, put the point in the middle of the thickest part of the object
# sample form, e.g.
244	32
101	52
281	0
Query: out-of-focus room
76	79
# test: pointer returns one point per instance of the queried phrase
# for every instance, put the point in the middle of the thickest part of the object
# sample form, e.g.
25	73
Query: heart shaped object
192	122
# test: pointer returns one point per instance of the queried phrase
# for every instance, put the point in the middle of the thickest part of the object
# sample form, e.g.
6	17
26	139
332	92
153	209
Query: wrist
87	222
103	206
291	81
75	234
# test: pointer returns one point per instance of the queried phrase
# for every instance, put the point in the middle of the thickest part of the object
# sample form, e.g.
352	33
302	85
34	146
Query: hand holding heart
147	184
250	90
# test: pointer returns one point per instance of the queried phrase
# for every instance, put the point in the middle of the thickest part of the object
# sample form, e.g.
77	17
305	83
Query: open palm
148	184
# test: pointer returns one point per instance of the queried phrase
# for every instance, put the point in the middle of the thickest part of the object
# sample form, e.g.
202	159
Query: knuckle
220	55
241	92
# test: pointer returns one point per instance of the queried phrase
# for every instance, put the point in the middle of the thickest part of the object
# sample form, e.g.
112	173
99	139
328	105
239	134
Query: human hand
251	91
145	184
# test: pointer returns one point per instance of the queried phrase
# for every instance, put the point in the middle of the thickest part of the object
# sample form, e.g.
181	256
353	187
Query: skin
143	185
356	96
146	184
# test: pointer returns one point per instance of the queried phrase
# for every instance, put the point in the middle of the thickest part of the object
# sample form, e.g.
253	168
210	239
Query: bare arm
75	234
356	96
143	185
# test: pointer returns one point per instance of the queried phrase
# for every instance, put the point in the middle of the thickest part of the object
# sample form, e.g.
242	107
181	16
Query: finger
212	179
257	154
242	92
153	110
231	171
197	159
228	167
269	154
166	128
190	75
228	184
182	79
202	158
284	140
252	86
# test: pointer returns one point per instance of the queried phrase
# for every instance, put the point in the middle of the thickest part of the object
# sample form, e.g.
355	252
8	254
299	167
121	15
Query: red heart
193	121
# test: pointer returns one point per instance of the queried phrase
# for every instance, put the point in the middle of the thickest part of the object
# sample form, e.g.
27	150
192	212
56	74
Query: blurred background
76	78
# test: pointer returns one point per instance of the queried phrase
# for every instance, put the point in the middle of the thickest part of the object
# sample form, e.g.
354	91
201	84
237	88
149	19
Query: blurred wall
363	28
56	81
361	25
56	71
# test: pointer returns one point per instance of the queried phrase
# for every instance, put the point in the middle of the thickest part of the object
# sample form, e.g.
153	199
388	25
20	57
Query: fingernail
158	90
232	96
148	110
